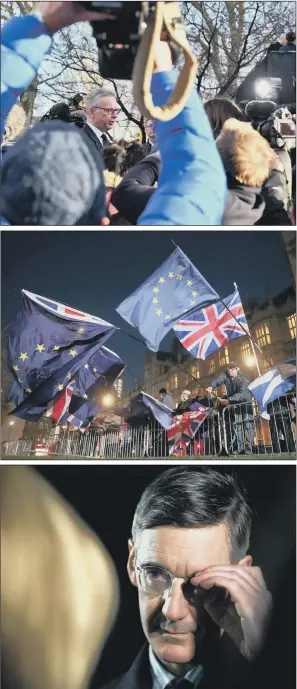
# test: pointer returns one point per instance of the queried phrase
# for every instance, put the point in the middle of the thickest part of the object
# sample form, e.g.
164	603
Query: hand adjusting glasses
157	581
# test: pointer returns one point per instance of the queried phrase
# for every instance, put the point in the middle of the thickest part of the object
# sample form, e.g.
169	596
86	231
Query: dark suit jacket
216	677
97	144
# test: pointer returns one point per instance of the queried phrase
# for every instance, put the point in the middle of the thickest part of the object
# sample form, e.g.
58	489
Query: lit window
223	356
167	386
263	335
195	371
212	367
267	364
245	350
186	379
174	382
292	325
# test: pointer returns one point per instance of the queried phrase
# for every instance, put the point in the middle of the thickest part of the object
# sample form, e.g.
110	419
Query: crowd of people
207	166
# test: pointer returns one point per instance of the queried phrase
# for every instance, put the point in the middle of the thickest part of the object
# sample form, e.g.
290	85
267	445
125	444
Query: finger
239	588
243	572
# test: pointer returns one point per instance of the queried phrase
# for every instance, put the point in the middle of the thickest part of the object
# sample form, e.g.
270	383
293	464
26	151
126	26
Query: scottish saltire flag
58	408
204	331
171	291
184	428
274	383
161	413
47	344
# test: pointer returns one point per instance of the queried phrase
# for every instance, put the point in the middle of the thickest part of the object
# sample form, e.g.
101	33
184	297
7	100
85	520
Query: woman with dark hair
252	203
219	110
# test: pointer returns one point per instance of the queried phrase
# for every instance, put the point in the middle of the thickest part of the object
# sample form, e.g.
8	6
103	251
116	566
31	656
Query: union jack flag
60	405
61	309
210	328
184	428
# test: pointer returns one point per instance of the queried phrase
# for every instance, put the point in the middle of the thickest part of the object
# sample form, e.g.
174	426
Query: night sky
94	271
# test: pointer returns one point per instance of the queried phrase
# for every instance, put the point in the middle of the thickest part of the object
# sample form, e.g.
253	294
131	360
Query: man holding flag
238	419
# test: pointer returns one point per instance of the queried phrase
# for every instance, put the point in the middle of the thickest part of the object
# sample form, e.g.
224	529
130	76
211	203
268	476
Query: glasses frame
109	111
140	567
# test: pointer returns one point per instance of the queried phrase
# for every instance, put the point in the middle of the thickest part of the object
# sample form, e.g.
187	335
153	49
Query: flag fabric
273	384
184	428
175	288
60	405
46	347
98	373
161	413
206	330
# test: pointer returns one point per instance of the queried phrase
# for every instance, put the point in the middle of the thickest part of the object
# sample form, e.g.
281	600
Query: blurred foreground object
59	592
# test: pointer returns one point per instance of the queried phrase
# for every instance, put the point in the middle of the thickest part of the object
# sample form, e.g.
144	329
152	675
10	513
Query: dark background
106	498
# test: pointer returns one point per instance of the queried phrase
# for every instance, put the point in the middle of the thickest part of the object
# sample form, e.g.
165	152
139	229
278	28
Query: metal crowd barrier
246	432
237	429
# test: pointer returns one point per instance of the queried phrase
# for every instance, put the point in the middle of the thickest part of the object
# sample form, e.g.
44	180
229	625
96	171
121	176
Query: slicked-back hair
196	497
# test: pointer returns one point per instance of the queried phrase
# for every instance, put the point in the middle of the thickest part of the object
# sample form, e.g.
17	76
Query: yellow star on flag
193	303
85	397
28	390
73	352
69	375
59	386
20	381
189	283
179	276
81	331
195	294
56	348
23	356
77	389
40	348
95	370
86	366
171	276
156	289
162	280
155	300
167	317
16	368
158	312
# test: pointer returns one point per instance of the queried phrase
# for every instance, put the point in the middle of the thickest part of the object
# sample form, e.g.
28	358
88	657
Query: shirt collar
161	677
96	131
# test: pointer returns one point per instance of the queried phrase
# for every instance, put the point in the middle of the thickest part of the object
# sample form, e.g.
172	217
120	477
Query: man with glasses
102	113
203	606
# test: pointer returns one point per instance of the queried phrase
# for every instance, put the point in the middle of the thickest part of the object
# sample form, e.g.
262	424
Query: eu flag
174	289
47	344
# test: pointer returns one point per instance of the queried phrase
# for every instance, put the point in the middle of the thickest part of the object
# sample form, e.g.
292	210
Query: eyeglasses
157	581
109	111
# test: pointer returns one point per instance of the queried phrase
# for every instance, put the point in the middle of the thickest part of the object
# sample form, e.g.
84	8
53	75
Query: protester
137	187
187	148
166	398
239	419
102	112
185	402
273	189
285	43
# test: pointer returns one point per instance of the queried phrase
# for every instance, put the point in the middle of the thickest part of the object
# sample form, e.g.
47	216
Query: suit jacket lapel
139	674
93	136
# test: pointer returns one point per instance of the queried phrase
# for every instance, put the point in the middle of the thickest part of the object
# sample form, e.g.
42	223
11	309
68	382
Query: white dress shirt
161	677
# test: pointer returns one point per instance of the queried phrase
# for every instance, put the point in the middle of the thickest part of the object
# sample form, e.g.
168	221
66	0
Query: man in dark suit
102	113
198	591
150	144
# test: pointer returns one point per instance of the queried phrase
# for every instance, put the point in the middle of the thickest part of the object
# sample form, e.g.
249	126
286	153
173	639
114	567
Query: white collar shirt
161	677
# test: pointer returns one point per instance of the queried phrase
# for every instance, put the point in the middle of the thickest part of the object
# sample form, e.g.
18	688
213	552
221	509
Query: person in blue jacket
192	187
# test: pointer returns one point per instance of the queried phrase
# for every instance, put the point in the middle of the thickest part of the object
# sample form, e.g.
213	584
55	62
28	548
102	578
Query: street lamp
250	361
108	400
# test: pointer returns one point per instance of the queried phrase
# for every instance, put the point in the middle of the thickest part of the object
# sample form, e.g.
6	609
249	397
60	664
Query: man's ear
130	564
246	561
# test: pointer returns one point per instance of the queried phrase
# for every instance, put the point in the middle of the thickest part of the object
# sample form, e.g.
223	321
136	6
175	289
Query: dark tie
104	140
180	684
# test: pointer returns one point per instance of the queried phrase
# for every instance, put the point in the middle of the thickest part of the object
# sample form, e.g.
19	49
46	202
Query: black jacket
237	388
97	143
244	205
222	674
274	194
134	192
